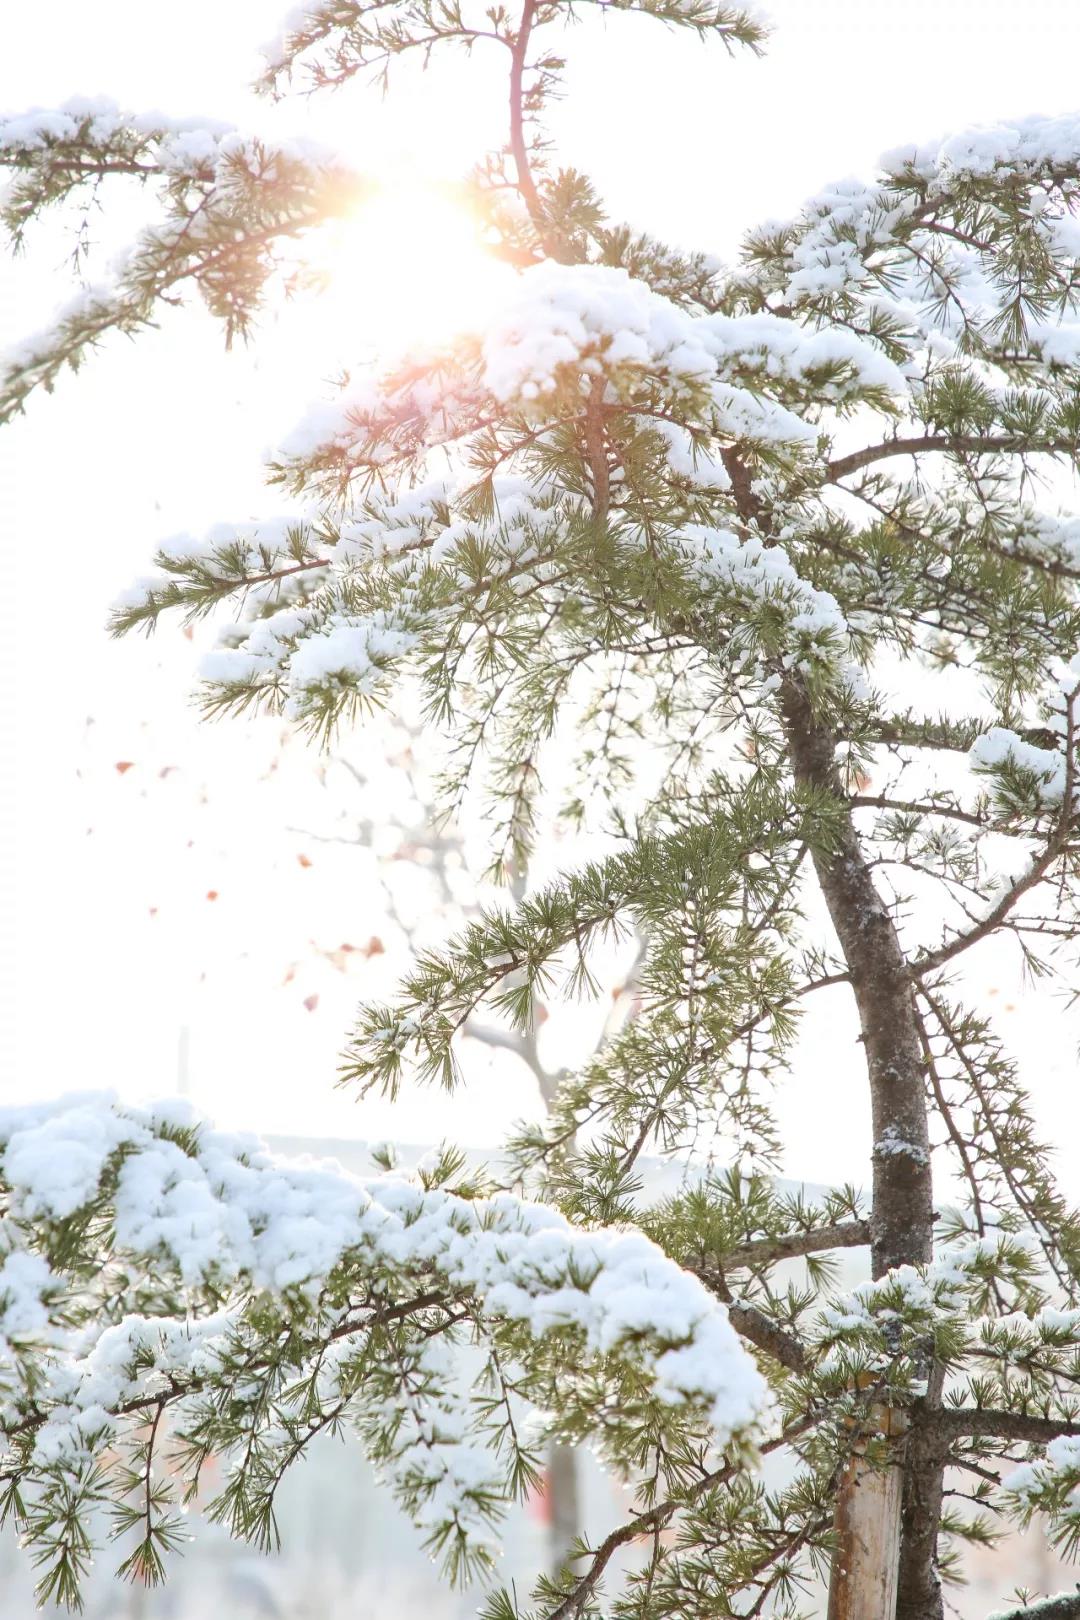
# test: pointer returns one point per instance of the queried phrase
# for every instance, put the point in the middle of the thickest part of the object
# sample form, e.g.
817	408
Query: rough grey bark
902	1210
902	1207
918	1594
901	1218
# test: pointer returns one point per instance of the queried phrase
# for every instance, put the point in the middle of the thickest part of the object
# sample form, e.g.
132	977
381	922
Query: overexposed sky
131	885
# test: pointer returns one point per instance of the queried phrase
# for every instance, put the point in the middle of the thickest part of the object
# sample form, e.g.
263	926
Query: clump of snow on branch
1047	767
599	322
851	239
763	573
220	1207
178	142
1021	148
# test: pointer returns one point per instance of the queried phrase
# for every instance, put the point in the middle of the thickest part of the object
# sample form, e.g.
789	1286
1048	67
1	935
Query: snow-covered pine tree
718	526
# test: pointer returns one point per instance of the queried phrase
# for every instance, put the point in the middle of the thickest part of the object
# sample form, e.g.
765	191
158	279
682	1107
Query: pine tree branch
896	733
1055	846
656	1518
1066	1606
754	1325
382	1315
958	443
596	448
956	1136
86	167
913	807
790	1245
983	1421
784	1346
518	144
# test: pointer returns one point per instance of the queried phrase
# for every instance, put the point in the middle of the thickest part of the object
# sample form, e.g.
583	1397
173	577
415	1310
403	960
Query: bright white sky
111	926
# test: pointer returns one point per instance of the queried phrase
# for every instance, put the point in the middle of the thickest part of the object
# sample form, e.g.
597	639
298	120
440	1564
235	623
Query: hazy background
177	903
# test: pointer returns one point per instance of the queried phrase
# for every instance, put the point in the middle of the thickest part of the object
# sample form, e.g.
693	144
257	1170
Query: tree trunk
919	1588
886	1525
902	1211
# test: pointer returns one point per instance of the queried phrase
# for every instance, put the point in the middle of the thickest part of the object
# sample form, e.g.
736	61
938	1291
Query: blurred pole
565	1506
183	1060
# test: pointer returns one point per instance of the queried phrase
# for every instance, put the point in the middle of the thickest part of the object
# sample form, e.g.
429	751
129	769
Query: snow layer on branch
297	20
426	402
102	120
590	319
1057	344
786	350
999	748
227	551
57	1163
525	513
1023	148
434	1456
766	574
916	1292
90	309
1045	538
1061	1461
177	145
26	1284
687	458
85	1389
597	321
849	229
347	652
302	658
220	1206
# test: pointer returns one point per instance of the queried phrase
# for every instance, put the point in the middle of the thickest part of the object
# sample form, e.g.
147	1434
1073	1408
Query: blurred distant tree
410	839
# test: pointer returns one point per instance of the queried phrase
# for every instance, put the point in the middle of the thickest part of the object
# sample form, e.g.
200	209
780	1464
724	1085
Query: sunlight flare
407	267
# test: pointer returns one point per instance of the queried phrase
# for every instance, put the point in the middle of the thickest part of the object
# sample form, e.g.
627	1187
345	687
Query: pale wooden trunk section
862	1583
